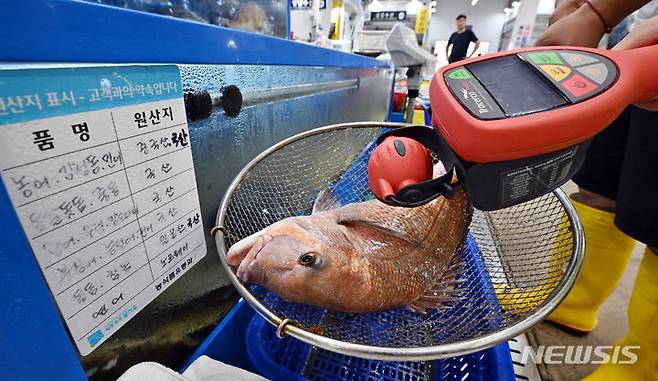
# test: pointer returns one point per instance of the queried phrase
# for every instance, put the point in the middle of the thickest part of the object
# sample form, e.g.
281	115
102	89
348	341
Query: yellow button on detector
557	72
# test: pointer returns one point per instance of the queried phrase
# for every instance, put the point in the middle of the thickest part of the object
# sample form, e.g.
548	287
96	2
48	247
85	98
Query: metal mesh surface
515	259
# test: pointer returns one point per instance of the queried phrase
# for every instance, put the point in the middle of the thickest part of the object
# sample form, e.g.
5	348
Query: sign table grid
132	198
104	188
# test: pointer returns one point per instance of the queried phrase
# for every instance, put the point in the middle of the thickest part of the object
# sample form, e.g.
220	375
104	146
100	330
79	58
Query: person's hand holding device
573	24
584	22
646	34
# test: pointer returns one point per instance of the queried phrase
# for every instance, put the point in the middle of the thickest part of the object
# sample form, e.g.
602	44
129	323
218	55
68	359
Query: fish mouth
250	270
254	273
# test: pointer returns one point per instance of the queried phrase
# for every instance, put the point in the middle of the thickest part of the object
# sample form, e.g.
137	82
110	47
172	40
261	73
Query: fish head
298	265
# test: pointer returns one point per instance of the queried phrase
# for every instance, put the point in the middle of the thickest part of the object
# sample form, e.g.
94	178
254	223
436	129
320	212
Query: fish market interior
318	190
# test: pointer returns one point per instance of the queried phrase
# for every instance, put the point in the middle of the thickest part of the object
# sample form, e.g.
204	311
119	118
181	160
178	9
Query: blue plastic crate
292	360
396	117
245	340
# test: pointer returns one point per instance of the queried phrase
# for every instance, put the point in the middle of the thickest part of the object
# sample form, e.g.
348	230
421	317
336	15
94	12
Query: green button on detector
460	73
544	58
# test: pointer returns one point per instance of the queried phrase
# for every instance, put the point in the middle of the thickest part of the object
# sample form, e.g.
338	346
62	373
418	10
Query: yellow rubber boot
642	330
607	251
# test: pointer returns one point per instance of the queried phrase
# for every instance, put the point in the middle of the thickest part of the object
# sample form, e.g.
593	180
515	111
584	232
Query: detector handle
638	65
416	193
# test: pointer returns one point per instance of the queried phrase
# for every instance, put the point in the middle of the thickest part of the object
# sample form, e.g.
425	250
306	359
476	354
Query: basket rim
399	353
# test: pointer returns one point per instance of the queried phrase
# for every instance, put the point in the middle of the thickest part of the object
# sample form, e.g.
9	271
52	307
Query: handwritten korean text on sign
98	165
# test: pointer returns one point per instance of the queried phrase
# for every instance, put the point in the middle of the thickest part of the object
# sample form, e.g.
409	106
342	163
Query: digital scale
513	125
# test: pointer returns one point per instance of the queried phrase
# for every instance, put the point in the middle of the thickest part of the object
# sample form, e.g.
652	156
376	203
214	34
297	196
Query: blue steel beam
75	31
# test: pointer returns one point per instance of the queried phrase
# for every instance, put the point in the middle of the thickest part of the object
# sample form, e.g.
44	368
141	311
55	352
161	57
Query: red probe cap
396	163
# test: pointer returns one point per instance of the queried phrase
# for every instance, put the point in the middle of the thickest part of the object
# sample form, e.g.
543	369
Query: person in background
617	198
460	40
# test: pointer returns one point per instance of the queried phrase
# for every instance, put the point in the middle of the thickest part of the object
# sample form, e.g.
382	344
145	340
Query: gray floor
612	324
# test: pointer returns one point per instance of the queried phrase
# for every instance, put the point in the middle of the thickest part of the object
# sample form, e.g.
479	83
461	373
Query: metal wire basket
519	262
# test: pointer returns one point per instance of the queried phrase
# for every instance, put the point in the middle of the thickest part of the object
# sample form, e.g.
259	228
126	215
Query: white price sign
98	165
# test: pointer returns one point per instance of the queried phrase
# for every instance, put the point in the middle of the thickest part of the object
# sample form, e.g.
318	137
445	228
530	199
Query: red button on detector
578	85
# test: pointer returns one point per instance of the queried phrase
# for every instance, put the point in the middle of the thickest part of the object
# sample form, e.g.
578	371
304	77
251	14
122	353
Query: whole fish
361	257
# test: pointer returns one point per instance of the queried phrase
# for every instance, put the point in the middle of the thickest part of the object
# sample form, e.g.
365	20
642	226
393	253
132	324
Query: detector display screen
515	86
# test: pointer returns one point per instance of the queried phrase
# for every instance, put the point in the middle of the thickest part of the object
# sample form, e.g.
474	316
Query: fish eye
308	259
